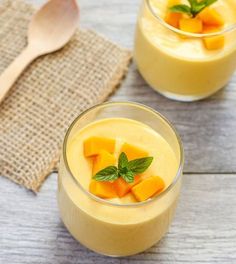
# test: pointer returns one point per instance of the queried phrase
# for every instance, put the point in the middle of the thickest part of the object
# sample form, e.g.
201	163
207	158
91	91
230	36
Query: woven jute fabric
51	92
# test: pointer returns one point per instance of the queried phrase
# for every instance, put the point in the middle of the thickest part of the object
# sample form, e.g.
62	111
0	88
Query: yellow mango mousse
120	227
182	67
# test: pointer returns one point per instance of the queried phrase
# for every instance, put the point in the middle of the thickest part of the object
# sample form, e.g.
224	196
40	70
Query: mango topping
213	43
102	189
211	17
147	188
192	25
203	20
110	180
122	187
93	145
173	19
103	160
133	152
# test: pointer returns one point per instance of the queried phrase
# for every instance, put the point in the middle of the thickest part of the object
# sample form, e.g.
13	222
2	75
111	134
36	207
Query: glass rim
226	30
107	202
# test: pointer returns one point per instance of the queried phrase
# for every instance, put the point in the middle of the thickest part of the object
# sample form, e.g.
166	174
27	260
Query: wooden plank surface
203	231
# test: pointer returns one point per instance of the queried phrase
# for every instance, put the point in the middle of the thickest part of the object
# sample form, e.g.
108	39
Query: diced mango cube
173	19
213	43
102	189
93	145
122	187
192	25
211	17
147	188
103	160
133	152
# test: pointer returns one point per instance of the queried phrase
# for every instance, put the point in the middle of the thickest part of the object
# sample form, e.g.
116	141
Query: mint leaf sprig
126	169
193	8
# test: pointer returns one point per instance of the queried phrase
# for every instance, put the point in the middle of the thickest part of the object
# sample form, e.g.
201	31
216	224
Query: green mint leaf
123	161
126	169
181	9
197	8
140	165
108	174
128	176
209	2
194	8
192	2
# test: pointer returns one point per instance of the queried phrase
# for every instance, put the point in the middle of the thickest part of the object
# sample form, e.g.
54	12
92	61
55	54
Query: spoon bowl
53	25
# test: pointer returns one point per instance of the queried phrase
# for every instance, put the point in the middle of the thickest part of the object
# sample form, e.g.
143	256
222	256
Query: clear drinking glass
176	63
106	227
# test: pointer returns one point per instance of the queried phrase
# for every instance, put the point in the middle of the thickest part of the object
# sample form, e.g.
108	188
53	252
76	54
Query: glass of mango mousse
119	178
186	49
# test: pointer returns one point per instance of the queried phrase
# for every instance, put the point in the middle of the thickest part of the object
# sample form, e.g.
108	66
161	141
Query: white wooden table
204	229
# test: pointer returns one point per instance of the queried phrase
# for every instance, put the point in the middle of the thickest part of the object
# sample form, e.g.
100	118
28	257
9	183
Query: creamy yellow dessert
180	66
121	131
119	225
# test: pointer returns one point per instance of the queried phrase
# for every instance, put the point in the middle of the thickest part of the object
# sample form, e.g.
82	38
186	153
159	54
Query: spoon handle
10	75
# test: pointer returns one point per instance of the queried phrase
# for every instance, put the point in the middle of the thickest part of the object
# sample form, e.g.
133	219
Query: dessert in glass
119	178
186	52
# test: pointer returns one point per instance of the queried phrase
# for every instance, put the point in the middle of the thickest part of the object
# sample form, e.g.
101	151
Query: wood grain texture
203	231
208	128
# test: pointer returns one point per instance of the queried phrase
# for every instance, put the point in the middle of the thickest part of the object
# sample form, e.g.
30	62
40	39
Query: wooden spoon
49	30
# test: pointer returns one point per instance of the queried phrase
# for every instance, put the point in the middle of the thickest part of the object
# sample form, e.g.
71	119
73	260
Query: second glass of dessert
119	178
186	50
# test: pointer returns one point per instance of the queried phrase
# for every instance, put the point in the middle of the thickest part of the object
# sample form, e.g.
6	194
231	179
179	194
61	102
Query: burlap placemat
50	94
